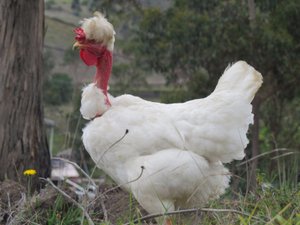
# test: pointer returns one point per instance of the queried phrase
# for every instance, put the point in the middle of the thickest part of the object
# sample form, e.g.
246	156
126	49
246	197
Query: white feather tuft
92	102
99	29
240	78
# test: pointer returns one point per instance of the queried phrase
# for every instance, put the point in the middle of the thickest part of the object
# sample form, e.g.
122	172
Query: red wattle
88	58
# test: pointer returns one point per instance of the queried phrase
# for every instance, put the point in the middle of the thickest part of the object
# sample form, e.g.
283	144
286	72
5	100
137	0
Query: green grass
274	206
62	213
263	207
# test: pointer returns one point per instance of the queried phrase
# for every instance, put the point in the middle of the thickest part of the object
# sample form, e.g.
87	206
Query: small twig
115	143
120	185
263	154
152	216
10	212
283	155
90	221
131	181
238	177
94	184
109	148
9	204
105	214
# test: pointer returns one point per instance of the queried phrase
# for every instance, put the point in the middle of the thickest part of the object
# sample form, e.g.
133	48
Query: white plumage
92	102
99	29
181	147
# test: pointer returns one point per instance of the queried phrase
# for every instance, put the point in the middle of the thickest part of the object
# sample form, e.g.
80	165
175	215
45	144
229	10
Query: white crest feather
99	29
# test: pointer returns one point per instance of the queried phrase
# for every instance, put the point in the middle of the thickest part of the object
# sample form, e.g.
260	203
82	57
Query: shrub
58	89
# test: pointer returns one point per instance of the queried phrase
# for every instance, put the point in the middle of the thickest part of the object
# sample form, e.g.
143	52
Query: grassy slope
58	34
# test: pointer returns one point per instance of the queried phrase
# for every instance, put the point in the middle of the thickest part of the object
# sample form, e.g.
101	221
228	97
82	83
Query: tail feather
218	128
240	78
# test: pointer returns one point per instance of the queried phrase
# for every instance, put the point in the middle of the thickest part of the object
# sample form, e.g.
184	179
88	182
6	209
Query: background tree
23	143
58	89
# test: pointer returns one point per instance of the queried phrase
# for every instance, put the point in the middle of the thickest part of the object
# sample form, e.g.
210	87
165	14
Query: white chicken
169	156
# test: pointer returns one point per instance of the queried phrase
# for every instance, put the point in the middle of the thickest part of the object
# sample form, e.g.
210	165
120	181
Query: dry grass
279	205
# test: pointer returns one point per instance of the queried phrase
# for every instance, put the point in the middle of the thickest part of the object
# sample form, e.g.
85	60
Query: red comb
80	35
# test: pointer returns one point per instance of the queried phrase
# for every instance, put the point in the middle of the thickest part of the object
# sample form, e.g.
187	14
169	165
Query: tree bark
23	143
252	182
251	10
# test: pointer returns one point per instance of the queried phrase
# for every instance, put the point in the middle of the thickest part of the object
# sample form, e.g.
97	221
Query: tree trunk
251	10
23	143
252	183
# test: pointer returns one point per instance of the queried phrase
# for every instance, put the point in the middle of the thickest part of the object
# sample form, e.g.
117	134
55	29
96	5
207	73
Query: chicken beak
77	45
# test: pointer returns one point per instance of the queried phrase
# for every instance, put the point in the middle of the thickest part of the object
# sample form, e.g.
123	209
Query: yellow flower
29	172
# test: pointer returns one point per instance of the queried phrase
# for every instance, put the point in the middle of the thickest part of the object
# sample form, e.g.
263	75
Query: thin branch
283	155
90	221
152	216
109	148
10	212
131	181
115	143
120	185
105	214
262	154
